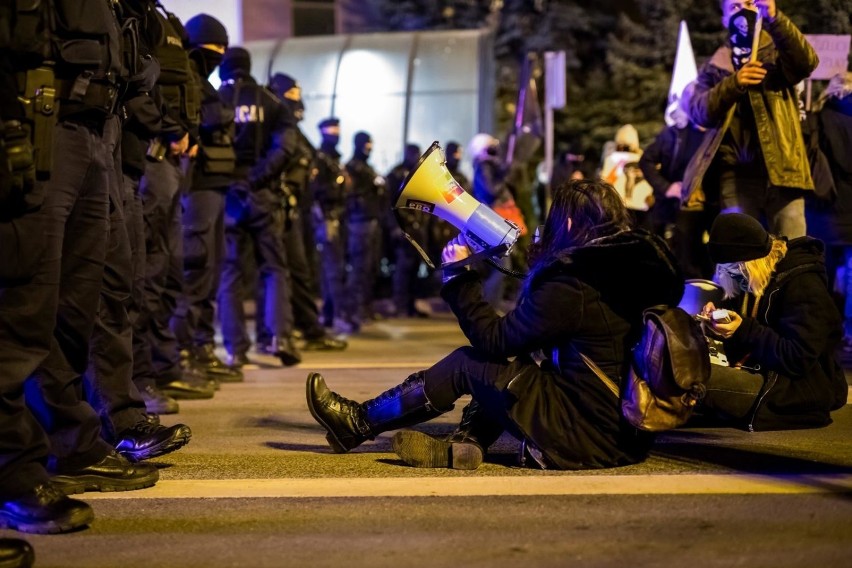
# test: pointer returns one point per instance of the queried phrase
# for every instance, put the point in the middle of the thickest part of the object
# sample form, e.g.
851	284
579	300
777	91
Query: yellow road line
710	484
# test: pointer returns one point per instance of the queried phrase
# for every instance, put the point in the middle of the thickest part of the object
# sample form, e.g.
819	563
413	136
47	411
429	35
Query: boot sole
165	447
71	485
421	450
73	522
335	444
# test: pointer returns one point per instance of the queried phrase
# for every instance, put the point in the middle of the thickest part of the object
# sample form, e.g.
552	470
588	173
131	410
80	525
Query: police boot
463	449
349	424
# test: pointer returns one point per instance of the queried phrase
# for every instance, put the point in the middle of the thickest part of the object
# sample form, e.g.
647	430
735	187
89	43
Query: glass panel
447	60
456	120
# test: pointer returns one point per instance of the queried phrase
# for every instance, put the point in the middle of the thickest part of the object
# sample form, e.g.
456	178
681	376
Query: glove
17	165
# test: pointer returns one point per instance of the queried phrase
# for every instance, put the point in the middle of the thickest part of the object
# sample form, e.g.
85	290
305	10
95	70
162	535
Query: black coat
590	301
793	339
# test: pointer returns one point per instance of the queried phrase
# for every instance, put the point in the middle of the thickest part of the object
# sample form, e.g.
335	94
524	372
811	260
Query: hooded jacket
589	300
788	58
792	339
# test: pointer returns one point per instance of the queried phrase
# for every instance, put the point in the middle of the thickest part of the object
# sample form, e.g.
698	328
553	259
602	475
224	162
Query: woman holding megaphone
591	277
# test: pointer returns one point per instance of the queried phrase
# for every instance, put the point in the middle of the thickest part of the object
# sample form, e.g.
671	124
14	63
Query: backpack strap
608	383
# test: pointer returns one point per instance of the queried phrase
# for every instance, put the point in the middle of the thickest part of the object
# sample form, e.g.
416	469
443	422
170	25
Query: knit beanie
280	83
735	237
204	29
236	62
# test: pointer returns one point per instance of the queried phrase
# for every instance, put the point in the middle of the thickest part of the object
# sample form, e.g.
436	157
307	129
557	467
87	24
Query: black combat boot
16	553
463	449
349	424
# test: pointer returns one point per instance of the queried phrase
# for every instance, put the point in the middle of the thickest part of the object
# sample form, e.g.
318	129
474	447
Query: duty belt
96	93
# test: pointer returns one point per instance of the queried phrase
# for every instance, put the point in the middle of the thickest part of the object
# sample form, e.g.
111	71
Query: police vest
177	83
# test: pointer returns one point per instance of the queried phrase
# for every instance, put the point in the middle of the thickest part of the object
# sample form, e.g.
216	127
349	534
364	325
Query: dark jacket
793	339
265	139
216	129
328	185
832	222
590	301
788	59
368	199
489	182
664	161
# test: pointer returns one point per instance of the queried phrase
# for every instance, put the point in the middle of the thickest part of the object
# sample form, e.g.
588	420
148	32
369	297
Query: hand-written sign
833	51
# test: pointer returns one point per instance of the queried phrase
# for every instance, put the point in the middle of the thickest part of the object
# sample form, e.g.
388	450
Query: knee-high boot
463	449
349	424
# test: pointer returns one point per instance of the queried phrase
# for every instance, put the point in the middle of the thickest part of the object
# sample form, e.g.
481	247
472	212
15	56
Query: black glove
17	168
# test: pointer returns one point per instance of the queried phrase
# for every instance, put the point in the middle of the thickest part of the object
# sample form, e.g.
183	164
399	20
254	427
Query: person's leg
231	290
421	397
731	393
267	227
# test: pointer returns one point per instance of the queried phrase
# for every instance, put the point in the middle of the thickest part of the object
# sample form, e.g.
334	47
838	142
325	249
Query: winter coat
793	339
588	301
788	59
832	222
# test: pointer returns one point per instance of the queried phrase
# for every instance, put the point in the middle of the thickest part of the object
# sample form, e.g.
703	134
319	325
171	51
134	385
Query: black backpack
667	377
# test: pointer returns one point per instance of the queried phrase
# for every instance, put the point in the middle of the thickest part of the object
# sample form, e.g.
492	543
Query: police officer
366	205
62	226
160	190
108	383
254	214
204	208
328	188
415	223
294	181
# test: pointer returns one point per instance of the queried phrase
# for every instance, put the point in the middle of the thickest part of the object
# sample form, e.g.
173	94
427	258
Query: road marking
710	484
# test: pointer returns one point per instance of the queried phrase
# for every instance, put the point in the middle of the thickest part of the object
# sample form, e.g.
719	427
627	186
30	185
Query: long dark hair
595	209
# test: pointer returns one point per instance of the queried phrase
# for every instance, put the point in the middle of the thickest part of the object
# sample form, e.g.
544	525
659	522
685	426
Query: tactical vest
177	83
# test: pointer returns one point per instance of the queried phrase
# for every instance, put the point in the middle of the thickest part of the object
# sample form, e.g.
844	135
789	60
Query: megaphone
431	188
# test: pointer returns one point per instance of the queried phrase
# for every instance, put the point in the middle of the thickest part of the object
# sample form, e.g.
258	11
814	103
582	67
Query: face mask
211	59
330	139
452	162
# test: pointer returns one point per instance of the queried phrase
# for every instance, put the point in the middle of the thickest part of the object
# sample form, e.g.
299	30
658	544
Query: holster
39	101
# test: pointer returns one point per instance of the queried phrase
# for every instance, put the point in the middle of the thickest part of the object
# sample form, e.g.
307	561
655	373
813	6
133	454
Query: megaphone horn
430	187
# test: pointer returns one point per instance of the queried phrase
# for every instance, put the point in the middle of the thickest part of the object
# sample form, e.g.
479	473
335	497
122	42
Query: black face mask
330	140
211	59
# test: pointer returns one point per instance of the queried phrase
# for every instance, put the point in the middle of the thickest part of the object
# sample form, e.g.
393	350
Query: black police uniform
407	259
254	215
366	205
60	301
204	215
328	187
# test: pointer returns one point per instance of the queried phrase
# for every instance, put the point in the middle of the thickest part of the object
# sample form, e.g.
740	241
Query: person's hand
456	250
726	330
180	147
766	8
675	190
193	151
750	74
723	330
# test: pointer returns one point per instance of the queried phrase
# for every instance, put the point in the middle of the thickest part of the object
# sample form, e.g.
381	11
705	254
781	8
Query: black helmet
205	29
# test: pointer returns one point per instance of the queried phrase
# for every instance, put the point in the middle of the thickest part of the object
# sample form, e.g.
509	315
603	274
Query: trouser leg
785	213
108	382
27	313
731	392
267	228
159	189
305	313
231	288
332	258
363	258
203	242
76	202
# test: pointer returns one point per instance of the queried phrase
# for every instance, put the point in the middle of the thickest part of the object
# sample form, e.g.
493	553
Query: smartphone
721	316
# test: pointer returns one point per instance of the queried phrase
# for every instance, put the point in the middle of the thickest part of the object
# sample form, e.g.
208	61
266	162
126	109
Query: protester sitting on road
575	300
783	332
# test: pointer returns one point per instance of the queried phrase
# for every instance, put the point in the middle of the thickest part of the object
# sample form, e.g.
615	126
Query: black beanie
281	83
735	237
328	122
236	62
203	29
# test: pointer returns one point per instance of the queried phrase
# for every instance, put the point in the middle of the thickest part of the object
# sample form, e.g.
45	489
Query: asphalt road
258	486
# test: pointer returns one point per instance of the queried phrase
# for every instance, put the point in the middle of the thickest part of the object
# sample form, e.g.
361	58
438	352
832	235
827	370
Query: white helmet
479	145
